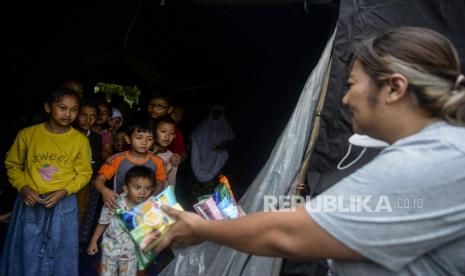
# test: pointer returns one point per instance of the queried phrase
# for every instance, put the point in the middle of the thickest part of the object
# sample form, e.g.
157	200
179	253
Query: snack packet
221	204
147	224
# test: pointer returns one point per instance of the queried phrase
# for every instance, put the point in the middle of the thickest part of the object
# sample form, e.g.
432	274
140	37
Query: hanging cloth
206	162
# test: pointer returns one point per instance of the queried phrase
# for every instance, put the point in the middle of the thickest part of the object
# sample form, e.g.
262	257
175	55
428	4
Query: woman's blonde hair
427	59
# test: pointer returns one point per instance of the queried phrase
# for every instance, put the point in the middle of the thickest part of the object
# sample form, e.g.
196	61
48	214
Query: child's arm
175	159
160	174
54	198
107	150
158	187
5	218
93	247
81	166
15	162
30	195
108	195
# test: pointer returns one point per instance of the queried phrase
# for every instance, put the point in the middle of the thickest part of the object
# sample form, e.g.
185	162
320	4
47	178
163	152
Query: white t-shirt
171	170
405	210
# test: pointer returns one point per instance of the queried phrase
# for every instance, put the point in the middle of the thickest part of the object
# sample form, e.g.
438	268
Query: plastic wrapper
147	224
210	259
221	204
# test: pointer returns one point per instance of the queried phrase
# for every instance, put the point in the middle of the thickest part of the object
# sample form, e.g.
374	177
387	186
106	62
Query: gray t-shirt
405	210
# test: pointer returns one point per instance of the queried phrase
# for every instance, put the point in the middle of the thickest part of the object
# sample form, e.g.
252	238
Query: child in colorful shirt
164	135
48	164
118	249
140	140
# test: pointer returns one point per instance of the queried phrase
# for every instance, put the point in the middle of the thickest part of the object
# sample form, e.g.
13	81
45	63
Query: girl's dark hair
427	59
58	94
139	172
163	119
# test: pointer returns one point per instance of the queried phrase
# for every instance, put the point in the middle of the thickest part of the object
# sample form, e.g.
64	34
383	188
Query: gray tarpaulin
273	179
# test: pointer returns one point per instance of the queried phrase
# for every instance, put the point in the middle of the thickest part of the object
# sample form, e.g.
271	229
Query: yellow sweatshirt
48	161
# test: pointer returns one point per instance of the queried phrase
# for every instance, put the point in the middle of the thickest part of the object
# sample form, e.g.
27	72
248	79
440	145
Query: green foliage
129	94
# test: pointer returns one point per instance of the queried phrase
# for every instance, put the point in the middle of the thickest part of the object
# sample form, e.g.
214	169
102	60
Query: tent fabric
357	20
274	179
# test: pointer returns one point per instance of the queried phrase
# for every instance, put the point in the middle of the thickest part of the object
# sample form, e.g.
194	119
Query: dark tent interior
253	59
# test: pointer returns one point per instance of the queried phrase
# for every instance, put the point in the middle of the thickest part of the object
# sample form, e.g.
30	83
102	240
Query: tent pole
315	131
128	32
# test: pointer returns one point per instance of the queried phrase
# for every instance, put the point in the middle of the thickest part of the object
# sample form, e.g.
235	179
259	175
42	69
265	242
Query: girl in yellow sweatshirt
48	163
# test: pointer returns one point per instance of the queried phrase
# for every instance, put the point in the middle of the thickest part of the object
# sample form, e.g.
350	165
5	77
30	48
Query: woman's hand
183	231
52	199
175	159
93	248
109	198
30	196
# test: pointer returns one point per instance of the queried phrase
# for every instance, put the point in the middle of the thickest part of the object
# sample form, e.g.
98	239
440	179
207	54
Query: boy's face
87	117
138	189
120	141
140	141
158	107
177	114
164	134
104	114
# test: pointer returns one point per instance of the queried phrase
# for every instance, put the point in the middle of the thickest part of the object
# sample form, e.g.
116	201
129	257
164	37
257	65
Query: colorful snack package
221	204
224	199
147	224
208	209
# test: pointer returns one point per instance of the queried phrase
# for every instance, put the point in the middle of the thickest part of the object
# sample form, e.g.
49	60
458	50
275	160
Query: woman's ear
397	85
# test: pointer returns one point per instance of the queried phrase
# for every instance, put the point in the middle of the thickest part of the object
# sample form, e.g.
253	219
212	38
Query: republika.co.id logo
333	203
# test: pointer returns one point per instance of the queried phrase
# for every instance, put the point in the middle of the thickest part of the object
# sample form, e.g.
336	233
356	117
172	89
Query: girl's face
63	112
115	123
164	135
120	141
104	114
87	117
158	107
361	99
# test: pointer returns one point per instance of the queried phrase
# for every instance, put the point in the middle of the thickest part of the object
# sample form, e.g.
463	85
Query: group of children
57	168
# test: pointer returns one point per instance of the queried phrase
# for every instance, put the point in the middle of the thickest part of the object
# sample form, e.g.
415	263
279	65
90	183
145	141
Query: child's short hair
157	95
104	103
139	172
89	103
164	119
58	94
139	128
